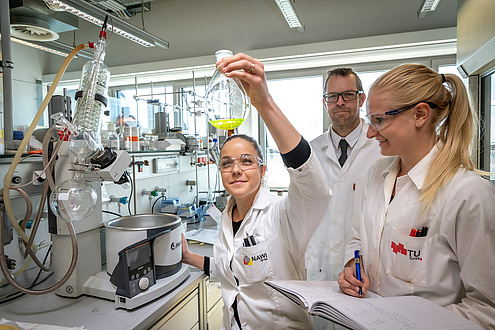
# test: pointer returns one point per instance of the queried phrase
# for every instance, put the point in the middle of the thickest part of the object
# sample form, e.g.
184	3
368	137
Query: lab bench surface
94	313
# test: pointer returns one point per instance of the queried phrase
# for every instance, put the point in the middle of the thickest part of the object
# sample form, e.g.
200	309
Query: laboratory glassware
112	137
73	199
92	98
226	102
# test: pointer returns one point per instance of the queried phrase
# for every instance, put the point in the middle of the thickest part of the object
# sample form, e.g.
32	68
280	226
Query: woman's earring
418	125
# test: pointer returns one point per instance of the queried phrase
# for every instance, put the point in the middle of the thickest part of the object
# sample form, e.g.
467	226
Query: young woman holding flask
263	236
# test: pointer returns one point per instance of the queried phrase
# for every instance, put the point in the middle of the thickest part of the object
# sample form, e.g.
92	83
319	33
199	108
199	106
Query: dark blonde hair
453	118
249	139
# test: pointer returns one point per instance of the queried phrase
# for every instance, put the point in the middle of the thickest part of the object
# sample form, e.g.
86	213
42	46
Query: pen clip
247	242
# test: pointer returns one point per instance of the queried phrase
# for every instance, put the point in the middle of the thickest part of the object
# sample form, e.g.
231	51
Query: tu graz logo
412	254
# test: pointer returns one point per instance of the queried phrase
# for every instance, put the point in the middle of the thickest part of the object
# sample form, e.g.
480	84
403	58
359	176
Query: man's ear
362	98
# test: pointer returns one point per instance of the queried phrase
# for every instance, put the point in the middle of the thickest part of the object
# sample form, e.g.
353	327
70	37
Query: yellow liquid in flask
227	124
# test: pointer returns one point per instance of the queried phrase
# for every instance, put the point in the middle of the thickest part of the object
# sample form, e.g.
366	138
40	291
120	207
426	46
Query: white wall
475	26
28	63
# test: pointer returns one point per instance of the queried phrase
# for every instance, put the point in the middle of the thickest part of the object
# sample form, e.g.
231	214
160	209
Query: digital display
139	255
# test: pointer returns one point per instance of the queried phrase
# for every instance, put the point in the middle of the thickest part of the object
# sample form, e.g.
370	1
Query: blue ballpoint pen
358	269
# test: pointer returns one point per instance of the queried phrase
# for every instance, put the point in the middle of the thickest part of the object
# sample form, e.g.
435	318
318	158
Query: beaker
226	102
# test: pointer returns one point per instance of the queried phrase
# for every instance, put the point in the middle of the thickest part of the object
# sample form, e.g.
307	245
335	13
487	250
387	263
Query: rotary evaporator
143	252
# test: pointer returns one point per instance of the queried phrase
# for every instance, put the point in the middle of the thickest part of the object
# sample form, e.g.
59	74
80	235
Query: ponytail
453	119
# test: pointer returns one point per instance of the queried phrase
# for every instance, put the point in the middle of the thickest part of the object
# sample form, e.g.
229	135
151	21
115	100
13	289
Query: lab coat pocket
407	258
256	263
358	198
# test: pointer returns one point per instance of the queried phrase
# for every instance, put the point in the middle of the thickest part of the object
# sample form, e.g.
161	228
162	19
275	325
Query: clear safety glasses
379	121
244	161
346	96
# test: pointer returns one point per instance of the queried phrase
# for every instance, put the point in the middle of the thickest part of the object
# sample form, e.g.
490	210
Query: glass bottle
112	138
120	136
104	138
226	102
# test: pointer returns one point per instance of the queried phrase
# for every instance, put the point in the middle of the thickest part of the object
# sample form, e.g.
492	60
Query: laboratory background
92	223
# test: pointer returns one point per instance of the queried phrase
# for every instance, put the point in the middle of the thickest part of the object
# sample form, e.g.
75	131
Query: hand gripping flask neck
226	102
92	99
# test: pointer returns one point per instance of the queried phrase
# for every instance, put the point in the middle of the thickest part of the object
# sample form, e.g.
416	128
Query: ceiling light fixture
288	9
426	7
95	15
54	47
46	49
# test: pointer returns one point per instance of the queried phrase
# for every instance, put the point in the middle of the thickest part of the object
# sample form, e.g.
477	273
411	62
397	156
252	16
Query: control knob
144	283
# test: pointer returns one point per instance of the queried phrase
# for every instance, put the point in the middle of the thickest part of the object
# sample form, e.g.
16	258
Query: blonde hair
453	119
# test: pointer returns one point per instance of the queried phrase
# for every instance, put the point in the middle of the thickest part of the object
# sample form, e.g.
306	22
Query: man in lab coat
345	172
345	165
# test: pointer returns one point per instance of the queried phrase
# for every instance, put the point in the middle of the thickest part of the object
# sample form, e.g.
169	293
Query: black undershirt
297	156
235	229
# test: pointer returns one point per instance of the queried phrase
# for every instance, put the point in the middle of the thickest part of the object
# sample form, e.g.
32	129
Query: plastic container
112	138
135	139
128	138
226	102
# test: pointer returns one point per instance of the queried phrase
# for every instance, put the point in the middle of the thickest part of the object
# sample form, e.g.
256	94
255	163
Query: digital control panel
140	268
134	272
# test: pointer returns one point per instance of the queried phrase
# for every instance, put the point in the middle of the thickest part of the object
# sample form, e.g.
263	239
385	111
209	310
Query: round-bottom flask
226	102
73	199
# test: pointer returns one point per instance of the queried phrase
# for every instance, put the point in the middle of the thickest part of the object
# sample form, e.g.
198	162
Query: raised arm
251	73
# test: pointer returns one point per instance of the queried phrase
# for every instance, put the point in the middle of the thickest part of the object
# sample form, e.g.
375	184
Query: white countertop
93	313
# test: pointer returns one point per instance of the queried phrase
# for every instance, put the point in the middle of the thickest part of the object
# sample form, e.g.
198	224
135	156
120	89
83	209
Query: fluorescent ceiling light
54	47
288	9
95	15
60	46
427	6
46	49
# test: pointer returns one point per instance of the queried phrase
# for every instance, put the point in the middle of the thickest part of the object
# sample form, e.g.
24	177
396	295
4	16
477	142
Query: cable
130	194
128	13
8	276
16	295
142	14
153	206
12	296
113	213
29	207
39	273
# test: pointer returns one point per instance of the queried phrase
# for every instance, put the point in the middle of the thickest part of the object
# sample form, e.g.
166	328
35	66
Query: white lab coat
453	265
282	228
325	256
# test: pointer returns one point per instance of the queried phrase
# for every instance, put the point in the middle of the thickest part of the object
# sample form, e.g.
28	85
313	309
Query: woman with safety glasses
262	236
427	226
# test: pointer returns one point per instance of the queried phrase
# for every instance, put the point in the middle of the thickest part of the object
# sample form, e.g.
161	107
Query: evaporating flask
73	199
226	102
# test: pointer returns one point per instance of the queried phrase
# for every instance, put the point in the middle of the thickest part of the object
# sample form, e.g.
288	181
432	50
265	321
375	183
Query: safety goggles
379	121
244	161
346	96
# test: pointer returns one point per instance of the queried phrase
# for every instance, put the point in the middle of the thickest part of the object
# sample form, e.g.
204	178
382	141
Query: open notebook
325	299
